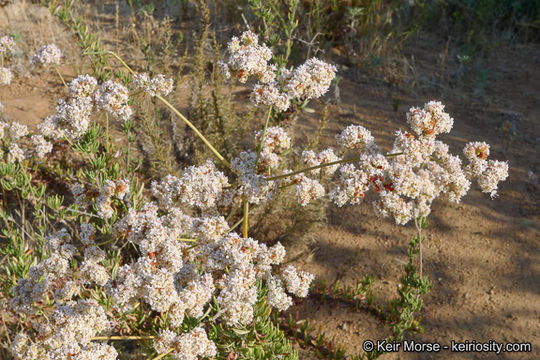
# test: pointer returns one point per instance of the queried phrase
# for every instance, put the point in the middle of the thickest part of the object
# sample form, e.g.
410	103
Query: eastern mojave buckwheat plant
167	268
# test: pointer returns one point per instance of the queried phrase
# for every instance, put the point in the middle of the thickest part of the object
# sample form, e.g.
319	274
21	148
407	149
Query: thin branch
342	161
164	354
260	146
419	228
61	77
201	136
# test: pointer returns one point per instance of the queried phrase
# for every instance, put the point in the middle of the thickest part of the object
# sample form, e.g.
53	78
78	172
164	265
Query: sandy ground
481	254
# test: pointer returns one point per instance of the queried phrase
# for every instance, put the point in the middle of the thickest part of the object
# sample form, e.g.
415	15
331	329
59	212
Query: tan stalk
61	77
164	354
245	218
201	136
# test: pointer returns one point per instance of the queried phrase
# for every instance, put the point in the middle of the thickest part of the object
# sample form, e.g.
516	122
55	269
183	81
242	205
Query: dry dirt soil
481	255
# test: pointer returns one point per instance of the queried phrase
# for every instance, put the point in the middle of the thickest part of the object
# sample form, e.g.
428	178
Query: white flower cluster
353	184
7	46
253	185
41	146
487	172
277	297
72	118
431	120
5	76
22	348
82	87
297	283
46	276
103	198
11	143
307	190
67	334
356	137
158	85
310	80
47	54
170	275
252	168
199	186
276	140
418	169
188	346
165	276
17	131
113	97
270	94
311	159
249	58
252	174
91	271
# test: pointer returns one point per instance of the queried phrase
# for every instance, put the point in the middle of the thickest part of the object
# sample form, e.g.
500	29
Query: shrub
166	268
